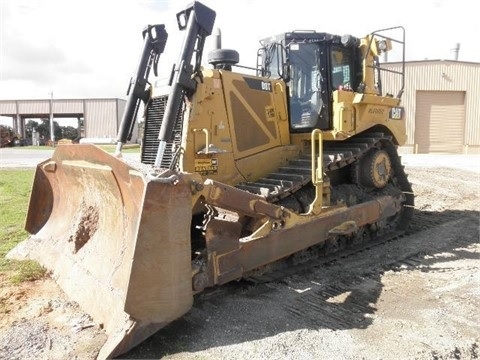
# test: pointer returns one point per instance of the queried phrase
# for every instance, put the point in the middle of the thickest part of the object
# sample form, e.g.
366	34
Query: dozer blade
115	240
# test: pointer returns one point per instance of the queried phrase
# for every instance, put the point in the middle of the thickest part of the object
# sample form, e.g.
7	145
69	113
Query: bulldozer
240	168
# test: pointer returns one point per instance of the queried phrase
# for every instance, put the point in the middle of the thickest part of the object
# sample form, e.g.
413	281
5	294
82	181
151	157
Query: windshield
305	85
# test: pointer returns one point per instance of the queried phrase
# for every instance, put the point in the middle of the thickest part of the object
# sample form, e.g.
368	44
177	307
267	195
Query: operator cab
313	65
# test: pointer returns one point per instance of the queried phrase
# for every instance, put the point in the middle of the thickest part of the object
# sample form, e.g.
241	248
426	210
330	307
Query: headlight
382	45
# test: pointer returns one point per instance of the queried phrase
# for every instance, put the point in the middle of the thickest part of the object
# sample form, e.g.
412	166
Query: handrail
317	171
207	138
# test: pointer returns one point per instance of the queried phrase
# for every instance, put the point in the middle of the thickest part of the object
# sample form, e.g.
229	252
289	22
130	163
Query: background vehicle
238	171
8	137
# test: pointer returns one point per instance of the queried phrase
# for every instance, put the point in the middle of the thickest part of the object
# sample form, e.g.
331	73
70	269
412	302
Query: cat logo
396	113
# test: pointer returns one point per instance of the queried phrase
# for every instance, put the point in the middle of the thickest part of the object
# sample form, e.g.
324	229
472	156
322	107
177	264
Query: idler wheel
375	169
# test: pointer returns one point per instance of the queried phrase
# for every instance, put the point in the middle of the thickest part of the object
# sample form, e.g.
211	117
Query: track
407	255
420	221
291	187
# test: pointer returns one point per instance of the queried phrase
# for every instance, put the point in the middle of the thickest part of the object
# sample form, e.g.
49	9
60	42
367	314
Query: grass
15	187
31	147
127	148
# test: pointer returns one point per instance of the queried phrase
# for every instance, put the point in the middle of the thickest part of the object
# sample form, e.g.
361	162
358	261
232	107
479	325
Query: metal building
101	117
442	105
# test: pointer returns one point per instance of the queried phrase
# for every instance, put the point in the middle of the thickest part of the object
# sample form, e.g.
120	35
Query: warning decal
206	166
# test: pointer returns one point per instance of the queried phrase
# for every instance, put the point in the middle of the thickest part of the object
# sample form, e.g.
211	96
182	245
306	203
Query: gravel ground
416	297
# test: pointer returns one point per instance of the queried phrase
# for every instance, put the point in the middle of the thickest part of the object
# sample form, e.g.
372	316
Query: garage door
440	121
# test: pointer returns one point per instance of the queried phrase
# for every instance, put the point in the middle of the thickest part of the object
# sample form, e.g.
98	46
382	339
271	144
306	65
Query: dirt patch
85	226
39	322
413	297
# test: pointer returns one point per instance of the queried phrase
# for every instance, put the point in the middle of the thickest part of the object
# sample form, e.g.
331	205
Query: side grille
153	121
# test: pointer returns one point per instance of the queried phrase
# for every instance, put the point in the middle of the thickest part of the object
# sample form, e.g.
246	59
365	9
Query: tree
44	129
29	127
69	132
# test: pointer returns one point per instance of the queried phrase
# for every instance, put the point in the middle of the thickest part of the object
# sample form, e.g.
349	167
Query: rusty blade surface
115	240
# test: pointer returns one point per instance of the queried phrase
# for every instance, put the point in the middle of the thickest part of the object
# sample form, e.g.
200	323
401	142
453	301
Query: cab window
341	71
305	85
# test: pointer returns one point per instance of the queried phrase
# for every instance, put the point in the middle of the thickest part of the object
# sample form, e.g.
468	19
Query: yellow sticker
206	166
270	112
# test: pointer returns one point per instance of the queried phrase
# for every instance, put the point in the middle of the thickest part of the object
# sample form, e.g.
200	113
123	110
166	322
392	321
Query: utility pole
455	50
52	133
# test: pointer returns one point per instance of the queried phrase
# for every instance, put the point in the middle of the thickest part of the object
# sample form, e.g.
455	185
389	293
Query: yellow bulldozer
241	168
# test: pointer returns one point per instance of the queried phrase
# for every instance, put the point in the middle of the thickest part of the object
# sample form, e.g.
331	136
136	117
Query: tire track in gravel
342	296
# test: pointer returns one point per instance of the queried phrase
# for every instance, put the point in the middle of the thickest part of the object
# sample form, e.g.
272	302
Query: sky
87	49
